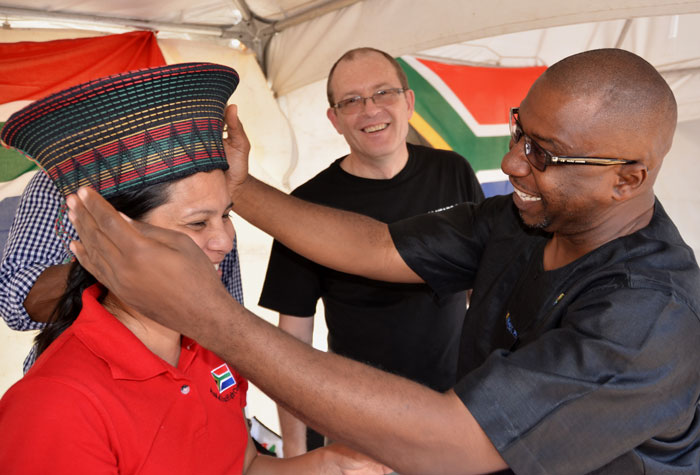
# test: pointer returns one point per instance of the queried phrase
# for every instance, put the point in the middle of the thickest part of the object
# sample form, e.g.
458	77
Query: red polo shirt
98	401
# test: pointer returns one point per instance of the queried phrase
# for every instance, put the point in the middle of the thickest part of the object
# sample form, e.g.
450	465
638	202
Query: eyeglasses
540	158
381	98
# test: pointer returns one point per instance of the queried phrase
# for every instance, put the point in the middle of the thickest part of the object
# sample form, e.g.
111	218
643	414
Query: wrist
292	448
237	188
326	458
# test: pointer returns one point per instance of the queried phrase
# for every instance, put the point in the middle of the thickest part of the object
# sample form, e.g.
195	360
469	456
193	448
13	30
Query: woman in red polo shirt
112	390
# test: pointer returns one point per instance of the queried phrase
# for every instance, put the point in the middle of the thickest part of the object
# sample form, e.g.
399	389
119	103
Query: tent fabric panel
417	25
207	12
667	42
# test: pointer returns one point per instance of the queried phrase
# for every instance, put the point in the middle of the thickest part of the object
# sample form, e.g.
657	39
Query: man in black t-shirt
580	351
400	328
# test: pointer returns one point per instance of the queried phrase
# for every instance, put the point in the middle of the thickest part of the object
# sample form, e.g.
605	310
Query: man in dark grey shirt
576	367
580	349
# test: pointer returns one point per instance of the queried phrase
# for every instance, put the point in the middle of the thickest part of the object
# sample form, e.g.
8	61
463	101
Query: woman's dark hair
135	204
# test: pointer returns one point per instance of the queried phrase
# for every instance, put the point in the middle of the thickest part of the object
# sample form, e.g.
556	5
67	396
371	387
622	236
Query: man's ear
411	100
630	180
332	116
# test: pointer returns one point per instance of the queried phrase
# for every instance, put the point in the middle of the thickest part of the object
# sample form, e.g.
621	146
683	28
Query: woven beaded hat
129	130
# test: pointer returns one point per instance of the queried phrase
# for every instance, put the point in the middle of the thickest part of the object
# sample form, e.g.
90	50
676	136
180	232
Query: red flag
31	70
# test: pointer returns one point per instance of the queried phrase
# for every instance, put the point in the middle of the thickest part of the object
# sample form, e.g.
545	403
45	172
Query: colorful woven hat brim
128	130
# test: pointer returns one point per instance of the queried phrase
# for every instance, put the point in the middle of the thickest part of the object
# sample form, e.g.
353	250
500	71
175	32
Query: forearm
294	430
46	292
338	239
293	433
400	423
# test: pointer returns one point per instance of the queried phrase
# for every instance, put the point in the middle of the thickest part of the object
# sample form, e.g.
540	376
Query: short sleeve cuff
13	294
483	398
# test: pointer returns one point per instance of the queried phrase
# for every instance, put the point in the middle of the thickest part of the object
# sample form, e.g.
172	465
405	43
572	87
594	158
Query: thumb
236	137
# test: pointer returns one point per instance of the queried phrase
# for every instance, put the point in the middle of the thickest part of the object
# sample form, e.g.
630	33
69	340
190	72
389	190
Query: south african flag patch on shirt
223	377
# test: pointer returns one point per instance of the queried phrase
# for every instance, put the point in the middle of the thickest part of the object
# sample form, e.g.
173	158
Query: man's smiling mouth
525	196
375	128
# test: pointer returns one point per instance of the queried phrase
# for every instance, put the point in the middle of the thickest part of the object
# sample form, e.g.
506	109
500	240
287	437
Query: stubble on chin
542	224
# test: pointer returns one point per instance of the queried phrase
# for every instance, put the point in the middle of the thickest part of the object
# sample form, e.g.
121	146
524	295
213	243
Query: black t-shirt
590	367
400	328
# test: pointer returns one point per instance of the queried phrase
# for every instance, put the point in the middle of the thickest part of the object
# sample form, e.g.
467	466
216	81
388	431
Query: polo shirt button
185	389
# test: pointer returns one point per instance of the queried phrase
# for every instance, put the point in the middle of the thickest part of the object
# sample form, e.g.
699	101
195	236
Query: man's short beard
544	224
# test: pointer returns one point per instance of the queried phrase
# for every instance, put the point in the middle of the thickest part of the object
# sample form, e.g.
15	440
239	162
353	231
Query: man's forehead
547	99
348	66
359	56
545	115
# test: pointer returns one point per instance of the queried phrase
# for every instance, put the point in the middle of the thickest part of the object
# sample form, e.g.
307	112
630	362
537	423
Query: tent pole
184	28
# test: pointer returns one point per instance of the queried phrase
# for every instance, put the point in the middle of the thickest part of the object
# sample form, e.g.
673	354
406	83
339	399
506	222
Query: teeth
525	197
375	128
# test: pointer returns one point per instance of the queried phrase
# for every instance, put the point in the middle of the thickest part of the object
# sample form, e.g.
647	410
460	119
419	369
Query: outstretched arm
293	430
338	239
165	275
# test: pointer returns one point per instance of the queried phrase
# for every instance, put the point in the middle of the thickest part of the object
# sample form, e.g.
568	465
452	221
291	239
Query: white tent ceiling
297	40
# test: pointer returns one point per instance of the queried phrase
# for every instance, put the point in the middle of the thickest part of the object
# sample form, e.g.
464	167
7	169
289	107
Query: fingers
174	240
237	149
96	247
231	114
97	222
96	217
231	117
236	136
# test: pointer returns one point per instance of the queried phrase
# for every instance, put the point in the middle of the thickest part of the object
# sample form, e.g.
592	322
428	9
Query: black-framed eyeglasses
541	158
383	97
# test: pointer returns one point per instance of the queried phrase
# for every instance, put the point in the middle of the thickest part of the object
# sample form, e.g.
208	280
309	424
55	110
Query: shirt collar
126	356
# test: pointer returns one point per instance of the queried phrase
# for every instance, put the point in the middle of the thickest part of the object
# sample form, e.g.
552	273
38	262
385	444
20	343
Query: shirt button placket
185	389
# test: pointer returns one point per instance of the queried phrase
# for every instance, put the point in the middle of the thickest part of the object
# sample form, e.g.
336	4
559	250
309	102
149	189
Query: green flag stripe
483	153
13	163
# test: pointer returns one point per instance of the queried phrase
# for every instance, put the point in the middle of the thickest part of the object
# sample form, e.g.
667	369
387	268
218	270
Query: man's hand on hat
160	272
237	148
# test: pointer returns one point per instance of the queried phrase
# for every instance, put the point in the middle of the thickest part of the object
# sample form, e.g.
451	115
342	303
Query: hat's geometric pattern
129	130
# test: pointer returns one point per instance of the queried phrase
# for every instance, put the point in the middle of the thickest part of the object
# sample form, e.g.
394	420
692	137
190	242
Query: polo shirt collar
127	357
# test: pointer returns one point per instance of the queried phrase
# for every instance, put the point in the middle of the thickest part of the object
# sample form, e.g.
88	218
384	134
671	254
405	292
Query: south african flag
465	108
223	377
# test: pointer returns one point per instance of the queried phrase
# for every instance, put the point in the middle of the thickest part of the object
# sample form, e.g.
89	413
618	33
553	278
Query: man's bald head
627	92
